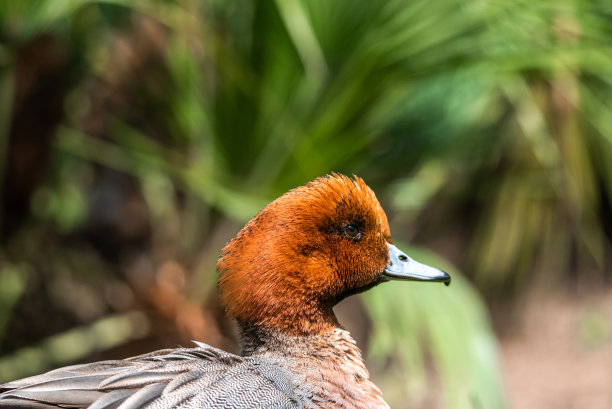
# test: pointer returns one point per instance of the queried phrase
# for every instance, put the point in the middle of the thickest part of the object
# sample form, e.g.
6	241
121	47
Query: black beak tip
446	279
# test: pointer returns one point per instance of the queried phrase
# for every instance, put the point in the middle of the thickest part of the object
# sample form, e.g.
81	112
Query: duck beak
402	267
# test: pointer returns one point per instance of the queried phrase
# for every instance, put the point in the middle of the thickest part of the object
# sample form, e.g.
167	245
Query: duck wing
201	377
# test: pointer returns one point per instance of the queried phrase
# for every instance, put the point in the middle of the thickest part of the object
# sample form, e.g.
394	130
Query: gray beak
402	267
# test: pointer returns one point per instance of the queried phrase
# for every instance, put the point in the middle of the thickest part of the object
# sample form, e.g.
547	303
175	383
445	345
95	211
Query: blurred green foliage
136	137
410	321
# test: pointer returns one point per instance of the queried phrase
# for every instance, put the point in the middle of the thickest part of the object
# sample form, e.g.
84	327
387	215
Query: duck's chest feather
330	368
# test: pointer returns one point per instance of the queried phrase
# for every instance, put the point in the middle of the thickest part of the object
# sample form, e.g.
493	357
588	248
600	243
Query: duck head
306	251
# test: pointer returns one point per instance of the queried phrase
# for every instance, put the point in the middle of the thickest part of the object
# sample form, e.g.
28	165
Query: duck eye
352	231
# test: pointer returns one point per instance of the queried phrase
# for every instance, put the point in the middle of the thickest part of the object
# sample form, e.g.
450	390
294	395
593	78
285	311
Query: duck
279	279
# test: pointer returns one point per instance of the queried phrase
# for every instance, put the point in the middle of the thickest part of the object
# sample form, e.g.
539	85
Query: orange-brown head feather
296	259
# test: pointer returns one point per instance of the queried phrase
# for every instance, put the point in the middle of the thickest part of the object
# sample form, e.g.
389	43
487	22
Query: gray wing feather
202	377
144	396
133	378
23	403
111	400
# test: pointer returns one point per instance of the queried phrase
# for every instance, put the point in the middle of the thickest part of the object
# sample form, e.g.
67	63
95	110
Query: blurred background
137	137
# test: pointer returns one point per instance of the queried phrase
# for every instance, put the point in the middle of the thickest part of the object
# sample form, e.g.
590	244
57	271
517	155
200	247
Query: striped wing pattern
201	377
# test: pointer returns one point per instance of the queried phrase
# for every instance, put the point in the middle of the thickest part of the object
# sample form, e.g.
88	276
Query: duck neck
293	319
257	340
330	365
290	327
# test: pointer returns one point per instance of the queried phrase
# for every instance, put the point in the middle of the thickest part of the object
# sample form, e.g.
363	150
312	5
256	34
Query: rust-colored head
303	253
